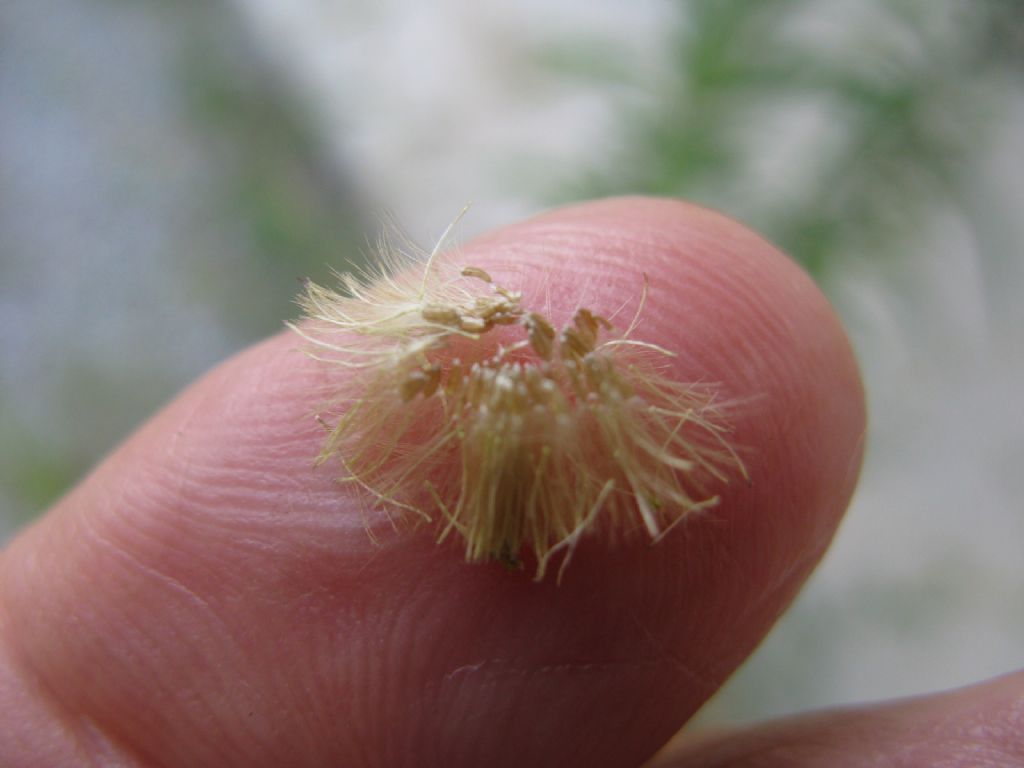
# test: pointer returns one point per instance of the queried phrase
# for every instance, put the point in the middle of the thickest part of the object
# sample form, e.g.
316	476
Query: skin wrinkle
20	673
90	742
207	522
531	681
511	682
667	654
147	678
234	485
337	639
408	615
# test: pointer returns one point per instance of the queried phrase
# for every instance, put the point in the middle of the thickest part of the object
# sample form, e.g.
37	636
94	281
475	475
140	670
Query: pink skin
977	727
206	597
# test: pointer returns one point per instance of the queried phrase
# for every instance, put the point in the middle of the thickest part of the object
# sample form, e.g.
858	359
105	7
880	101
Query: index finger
207	597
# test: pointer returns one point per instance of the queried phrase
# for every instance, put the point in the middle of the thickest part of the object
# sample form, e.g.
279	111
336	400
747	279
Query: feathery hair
527	438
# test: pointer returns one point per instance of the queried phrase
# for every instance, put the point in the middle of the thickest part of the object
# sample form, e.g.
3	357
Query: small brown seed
412	385
472	324
588	324
574	346
441	314
433	379
540	334
476	272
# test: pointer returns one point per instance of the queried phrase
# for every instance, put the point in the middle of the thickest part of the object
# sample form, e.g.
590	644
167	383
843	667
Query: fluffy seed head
526	441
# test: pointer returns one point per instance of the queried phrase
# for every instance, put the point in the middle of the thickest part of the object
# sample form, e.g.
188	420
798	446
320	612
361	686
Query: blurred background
169	169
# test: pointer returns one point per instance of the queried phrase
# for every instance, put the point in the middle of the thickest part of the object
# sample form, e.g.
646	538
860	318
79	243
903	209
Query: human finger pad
238	606
974	726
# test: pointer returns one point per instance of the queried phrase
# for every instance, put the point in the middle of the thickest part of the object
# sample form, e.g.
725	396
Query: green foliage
905	96
299	213
32	474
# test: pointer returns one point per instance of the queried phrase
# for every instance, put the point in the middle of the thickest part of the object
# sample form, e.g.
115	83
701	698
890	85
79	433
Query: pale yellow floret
514	448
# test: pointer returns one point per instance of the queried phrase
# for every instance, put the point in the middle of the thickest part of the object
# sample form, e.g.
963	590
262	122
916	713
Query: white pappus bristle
523	440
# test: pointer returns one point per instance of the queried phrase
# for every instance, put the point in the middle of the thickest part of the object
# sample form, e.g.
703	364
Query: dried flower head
525	438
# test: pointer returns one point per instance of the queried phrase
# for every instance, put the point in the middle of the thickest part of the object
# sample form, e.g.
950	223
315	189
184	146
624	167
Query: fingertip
219	526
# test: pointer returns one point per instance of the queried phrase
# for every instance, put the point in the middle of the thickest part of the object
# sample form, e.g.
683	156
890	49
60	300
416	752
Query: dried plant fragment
512	442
